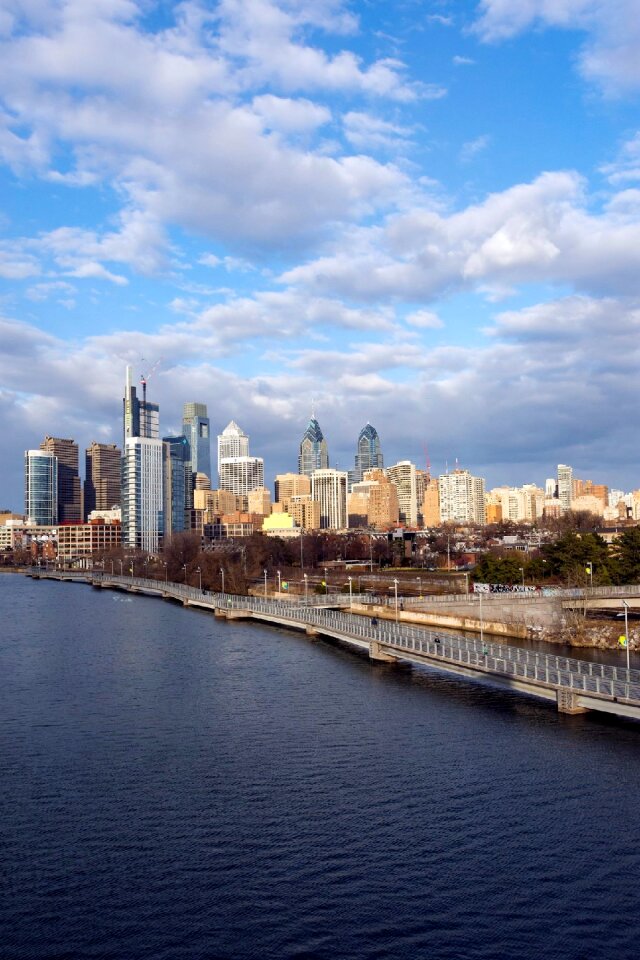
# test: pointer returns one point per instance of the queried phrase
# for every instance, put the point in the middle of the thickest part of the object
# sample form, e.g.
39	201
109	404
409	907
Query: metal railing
544	669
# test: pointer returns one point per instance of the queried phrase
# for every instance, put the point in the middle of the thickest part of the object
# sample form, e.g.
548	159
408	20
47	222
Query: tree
626	558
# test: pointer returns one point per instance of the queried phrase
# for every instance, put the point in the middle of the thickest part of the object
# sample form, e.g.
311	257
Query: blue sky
425	215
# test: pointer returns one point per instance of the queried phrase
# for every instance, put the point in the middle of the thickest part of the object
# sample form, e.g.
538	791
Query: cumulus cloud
542	231
611	54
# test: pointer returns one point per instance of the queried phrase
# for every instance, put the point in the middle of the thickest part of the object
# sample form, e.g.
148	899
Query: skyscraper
102	476
237	471
41	487
232	442
462	498
69	488
142	492
403	475
141	417
565	485
368	454
329	488
177	477
314	454
195	427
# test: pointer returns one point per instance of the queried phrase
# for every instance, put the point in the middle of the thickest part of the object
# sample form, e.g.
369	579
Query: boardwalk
574	685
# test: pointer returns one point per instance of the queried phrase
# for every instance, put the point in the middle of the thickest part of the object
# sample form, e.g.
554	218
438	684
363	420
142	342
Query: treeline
575	559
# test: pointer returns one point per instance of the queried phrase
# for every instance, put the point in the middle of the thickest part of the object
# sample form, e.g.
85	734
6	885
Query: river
178	788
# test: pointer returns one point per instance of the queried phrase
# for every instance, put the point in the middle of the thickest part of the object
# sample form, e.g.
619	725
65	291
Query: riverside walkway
576	686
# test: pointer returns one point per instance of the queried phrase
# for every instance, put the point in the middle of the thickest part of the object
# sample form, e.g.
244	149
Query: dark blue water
173	787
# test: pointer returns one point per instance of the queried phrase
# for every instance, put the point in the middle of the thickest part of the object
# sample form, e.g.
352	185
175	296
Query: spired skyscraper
237	471
314	454
368	454
142	488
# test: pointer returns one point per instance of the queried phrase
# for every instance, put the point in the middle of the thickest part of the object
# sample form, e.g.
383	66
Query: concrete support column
377	653
567	702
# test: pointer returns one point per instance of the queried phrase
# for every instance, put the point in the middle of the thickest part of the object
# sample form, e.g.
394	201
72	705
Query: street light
166	571
306	587
222	576
326	581
395	588
279	582
419	579
120	562
589	570
112	568
265	584
626	630
199	572
184	567
481	620
522	572
350	579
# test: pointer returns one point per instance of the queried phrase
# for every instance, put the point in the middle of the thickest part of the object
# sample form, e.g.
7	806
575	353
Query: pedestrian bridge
575	686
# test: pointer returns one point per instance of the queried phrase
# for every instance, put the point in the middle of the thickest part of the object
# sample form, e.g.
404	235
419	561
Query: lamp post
306	587
419	579
166	571
448	553
626	630
544	568
199	572
350	593
301	550
120	562
184	567
326	581
481	620
222	577
589	570
522	572
265	584
395	590
112	568
279	582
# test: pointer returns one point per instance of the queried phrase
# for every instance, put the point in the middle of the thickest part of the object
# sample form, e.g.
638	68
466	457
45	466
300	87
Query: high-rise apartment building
142	493
368	454
69	487
565	486
102	476
314	454
404	476
329	488
431	503
462	498
232	442
195	427
41	487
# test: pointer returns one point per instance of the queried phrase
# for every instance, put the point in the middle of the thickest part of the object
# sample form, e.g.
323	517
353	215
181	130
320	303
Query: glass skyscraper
195	427
368	454
177	481
314	454
41	487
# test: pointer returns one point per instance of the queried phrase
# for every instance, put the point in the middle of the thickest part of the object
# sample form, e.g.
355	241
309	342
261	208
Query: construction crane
145	377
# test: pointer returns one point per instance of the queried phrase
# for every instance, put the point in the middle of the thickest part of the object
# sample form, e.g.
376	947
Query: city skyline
424	215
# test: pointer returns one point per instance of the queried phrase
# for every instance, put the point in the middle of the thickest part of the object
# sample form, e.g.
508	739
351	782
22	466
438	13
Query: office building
176	481
240	475
289	485
232	442
141	418
69	487
314	454
195	427
329	488
102	476
41	487
368	454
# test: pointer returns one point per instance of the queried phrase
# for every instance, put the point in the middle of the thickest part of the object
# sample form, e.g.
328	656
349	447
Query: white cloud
424	320
611	55
365	131
472	148
290	116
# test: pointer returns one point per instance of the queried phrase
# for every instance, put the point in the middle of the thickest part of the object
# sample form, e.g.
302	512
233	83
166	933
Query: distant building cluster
154	487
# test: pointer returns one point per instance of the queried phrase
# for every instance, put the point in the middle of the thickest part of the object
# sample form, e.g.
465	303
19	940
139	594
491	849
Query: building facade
462	498
69	487
404	477
142	494
102	476
176	476
314	453
368	454
41	487
329	488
